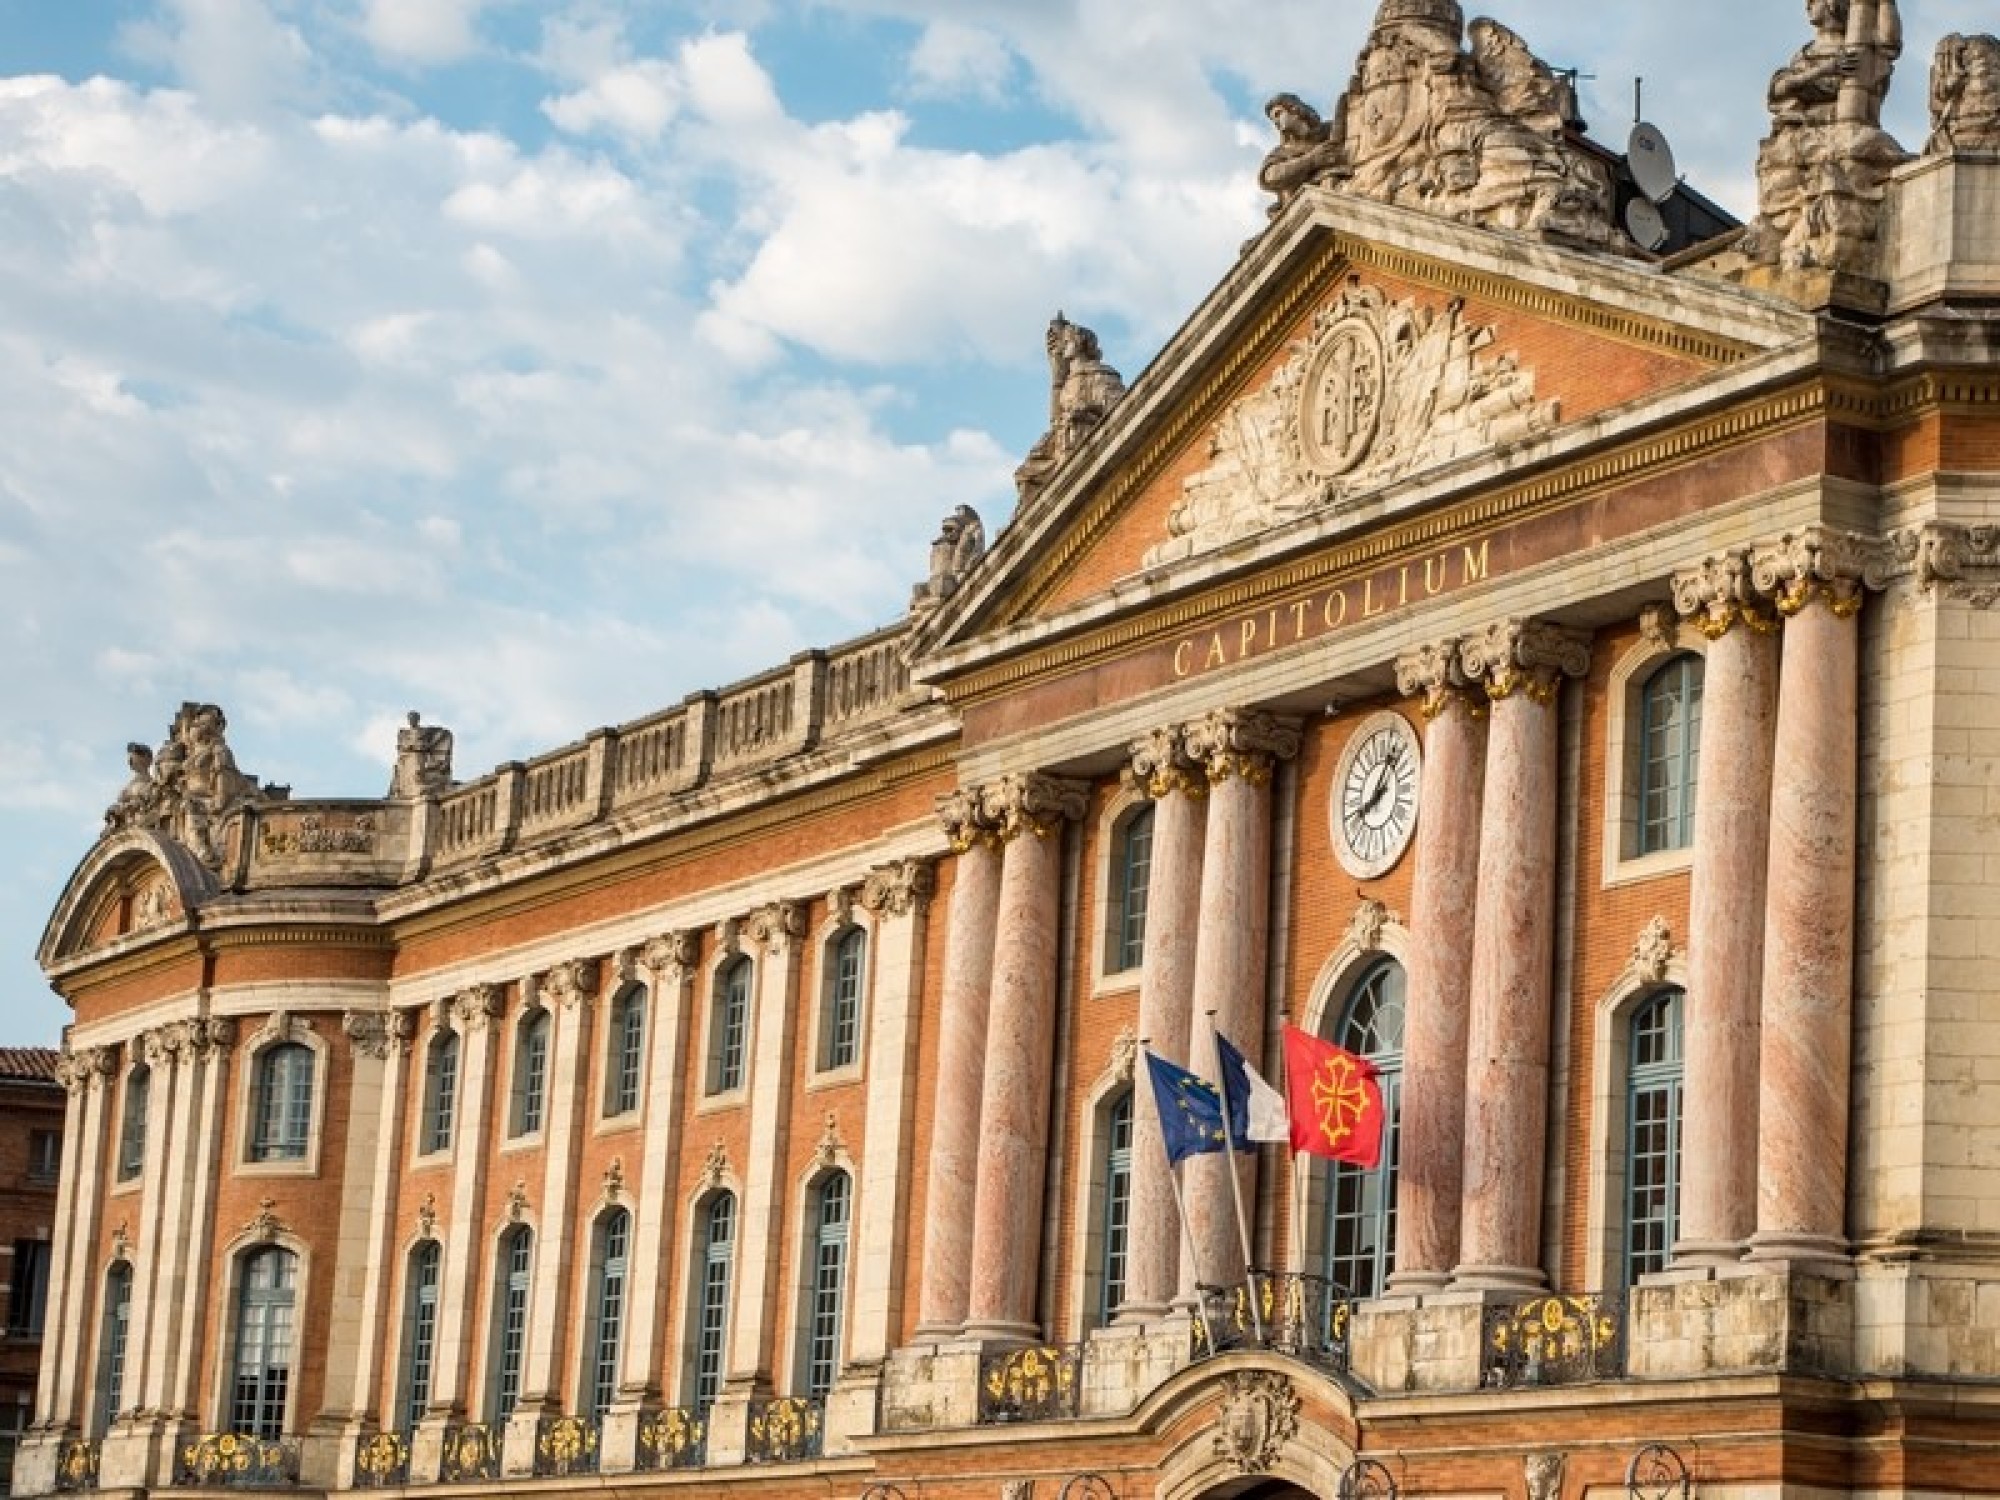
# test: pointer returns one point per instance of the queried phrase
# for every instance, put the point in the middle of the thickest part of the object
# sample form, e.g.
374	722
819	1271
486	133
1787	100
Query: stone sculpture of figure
1307	151
1965	96
423	759
140	796
1082	390
1824	169
960	542
190	786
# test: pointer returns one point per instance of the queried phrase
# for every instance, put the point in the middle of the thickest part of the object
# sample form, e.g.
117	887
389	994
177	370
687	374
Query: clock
1374	809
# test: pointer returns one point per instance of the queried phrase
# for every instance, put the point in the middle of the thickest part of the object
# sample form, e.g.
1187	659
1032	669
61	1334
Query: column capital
1159	765
84	1068
1818	564
1433	675
963	815
1962	562
899	889
568	984
1241	742
1523	656
476	1005
1033	803
376	1034
775	927
1720	593
671	956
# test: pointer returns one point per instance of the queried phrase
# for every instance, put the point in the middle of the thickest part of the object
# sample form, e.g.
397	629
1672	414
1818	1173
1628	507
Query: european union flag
1190	1111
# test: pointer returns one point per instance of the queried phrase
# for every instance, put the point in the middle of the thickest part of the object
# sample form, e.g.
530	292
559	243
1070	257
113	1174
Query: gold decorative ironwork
1555	1340
1039	1383
1306	1317
471	1453
565	1445
237	1459
381	1460
673	1438
76	1464
785	1430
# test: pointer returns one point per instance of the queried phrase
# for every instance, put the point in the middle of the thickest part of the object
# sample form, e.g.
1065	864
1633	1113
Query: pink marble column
1430	1169
1238	750
1522	664
1804	1054
954	1155
1166	1006
1007	1210
1726	911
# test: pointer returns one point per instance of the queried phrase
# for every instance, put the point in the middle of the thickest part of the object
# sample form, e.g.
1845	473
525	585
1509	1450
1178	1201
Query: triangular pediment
1360	361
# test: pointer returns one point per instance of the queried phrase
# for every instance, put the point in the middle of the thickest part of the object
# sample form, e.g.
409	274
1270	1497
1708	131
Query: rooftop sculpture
1082	390
190	786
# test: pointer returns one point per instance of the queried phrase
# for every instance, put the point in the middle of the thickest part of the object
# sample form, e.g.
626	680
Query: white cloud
422	32
236	55
636	100
952	60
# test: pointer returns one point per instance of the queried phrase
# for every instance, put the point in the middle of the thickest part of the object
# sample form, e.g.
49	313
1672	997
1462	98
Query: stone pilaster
1726	909
383	1038
89	1071
157	1295
1178	786
1431	1166
214	1043
945	1295
1007	1215
1238	751
474	1013
1521	665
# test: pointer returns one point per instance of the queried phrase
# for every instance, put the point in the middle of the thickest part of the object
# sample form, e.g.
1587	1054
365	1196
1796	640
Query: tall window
718	1249
1131	869
729	1024
625	1062
111	1348
531	1073
1361	1201
263	1365
28	1290
831	1212
607	1312
44	1155
420	1333
281	1103
132	1123
441	1092
1669	754
510	1318
840	1005
1653	1134
1117	1209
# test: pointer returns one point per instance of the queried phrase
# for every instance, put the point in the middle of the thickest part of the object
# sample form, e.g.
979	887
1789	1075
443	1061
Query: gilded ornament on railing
382	1459
76	1464
675	1438
565	1445
1306	1317
1037	1384
785	1430
470	1453
237	1459
1555	1340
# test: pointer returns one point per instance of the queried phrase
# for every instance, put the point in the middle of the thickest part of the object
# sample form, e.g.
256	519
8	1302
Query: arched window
264	1324
1653	1134
840	1004
1117	1208
711	1322
1131	869
832	1205
516	1266
281	1103
440	1092
729	1024
531	1074
1669	754
1361	1201
607	1313
420	1333
624	1065
132	1123
111	1348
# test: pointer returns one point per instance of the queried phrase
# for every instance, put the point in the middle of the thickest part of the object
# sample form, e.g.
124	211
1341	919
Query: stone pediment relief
1377	390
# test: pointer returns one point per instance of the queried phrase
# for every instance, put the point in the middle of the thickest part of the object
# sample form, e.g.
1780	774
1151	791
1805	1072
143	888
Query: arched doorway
1259	1489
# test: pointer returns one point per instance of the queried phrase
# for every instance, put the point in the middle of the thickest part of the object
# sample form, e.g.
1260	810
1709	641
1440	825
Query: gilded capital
1821	565
1161	766
1721	593
1432	675
1033	804
899	889
1530	657
963	815
1240	742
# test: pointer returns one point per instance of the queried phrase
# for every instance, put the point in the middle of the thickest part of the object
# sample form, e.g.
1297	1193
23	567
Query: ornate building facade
31	1119
1568	677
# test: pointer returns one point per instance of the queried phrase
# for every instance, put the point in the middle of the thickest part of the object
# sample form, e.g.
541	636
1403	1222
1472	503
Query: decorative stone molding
1259	1415
775	927
427	1217
189	787
1124	1061
166	1045
1834	568
840	904
1236	742
614	1181
1160	765
1959	562
86	1067
671	957
1658	626
1524	656
900	889
1719	594
1965	96
831	1147
1543	1473
376	1034
1033	804
517	1201
216	1034
962	813
476	1006
121	1240
571	982
265	1226
1653	952
156	906
1432	675
282	1026
625	967
1371	919
715	1166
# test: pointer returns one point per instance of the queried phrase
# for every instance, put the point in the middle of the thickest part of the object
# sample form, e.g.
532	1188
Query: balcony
1553	1340
382	1461
787	1430
471	1453
566	1446
77	1463
675	1438
1041	1383
237	1460
1302	1317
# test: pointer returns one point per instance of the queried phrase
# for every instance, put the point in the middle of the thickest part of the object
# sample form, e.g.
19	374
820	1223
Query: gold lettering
1335	621
1183	658
1369	608
1217	657
1271	629
1299	619
1246	638
1434	575
1478	564
1403	585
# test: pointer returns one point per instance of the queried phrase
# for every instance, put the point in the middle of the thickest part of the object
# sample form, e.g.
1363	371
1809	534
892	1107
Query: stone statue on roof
1965	96
1082	390
423	759
190	786
960	543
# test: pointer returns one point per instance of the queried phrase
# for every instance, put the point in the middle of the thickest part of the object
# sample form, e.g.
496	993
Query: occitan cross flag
1335	1100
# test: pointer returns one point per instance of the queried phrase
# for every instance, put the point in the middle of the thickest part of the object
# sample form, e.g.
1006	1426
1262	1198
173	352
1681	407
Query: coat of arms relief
1376	391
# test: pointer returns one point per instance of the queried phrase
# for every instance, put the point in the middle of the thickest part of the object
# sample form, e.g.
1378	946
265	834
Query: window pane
1361	1201
1135	867
731	1019
607	1314
421	1335
441	1093
718	1245
843	1001
517	1259
1653	1134
828	1285
531	1073
132	1127
1669	754
1117	1209
264	1344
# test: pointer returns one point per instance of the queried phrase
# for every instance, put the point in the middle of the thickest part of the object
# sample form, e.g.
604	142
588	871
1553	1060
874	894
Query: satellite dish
1644	224
1651	161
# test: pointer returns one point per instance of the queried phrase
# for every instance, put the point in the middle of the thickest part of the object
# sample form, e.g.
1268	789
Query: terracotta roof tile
37	1064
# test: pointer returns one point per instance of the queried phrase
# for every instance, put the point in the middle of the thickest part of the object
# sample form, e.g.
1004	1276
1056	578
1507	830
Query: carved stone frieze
1965	96
155	906
1543	1474
1821	565
1377	390
189	787
1721	593
1259	1416
775	927
1082	391
265	1226
1245	743
963	815
1160	765
569	983
1433	675
1033	804
671	957
899	889
1523	656
1959	562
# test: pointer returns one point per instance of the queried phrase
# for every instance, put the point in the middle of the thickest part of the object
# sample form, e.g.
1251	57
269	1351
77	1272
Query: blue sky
533	365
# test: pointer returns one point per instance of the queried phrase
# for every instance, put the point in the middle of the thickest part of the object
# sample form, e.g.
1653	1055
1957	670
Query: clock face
1374	808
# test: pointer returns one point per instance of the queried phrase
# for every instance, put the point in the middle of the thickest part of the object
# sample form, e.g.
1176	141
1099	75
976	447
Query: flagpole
1187	1229
1299	1160
1235	1183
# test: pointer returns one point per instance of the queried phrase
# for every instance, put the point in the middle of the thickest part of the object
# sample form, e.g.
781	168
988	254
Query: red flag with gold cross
1335	1099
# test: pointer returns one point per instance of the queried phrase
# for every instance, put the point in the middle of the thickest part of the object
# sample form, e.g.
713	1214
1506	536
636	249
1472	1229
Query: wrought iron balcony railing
787	1430
1041	1383
76	1464
1554	1340
381	1461
471	1453
1305	1317
673	1438
237	1460
566	1445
